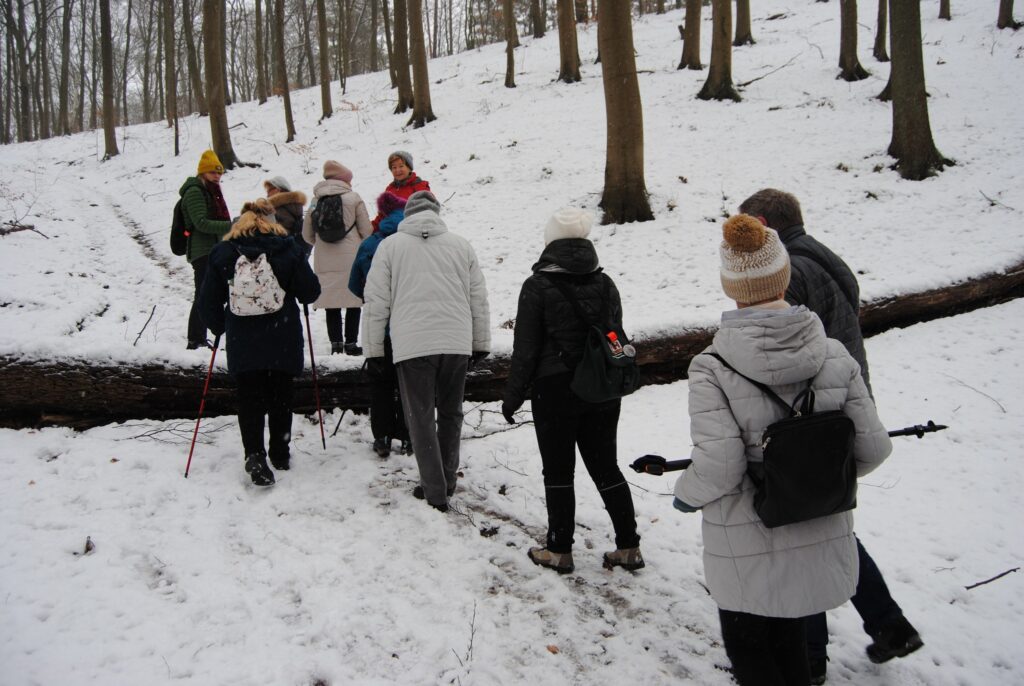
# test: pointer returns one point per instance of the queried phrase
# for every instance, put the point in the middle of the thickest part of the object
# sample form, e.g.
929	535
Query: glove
376	367
650	464
477	356
507	411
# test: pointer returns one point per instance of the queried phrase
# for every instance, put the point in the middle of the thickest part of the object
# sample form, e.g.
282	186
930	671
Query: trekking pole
312	364
919	430
658	465
202	403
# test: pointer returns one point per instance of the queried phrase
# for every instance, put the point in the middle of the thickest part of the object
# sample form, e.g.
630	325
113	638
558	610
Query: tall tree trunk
213	56
282	69
849	66
422	112
147	38
719	84
158	60
568	50
325	65
912	144
193	61
510	31
580	11
261	57
944	10
625	191
401	48
743	33
24	118
691	37
42	50
124	66
387	38
307	41
171	73
537	22
82	78
63	120
6	70
94	106
1005	20
373	36
109	113
879	50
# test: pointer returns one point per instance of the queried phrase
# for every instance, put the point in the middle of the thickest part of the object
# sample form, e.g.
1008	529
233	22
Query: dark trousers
765	651
265	393
352	315
196	327
562	422
872	600
429	384
386	414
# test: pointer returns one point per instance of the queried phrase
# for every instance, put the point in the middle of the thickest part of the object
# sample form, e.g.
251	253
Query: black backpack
605	371
329	219
180	228
809	470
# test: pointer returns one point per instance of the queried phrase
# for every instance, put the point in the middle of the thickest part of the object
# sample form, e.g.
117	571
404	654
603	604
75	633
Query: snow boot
418	493
281	461
898	638
817	667
560	562
627	558
256	467
337	347
353	349
382	446
406	448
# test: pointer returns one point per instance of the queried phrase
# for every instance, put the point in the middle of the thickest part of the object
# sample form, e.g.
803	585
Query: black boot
256	467
898	638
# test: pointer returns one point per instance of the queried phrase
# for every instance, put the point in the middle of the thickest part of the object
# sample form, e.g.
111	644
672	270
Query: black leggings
265	393
765	651
352	315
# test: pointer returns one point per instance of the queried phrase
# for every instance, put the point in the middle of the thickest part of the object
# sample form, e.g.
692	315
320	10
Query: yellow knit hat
209	162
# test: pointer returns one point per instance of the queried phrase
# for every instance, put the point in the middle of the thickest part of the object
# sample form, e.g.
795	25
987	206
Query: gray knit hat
421	201
278	182
755	264
406	157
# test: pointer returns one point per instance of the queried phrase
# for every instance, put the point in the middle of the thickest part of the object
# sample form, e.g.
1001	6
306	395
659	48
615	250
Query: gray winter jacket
793	570
427	284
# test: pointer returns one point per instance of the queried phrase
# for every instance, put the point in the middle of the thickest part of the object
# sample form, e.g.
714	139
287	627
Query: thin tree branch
988	581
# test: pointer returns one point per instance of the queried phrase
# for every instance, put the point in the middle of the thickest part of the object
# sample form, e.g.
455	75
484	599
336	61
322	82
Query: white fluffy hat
568	222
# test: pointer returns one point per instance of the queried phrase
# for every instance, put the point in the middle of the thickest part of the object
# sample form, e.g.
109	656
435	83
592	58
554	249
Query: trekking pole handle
919	430
658	465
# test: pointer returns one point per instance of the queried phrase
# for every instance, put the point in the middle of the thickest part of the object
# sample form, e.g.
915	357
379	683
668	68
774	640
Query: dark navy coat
368	248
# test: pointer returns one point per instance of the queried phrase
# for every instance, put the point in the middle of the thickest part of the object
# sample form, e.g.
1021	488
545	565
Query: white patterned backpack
254	290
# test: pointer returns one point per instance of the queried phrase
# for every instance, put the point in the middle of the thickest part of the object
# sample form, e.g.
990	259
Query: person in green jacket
207	220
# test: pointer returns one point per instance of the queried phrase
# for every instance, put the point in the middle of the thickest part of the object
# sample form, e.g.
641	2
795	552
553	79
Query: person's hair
257	217
780	209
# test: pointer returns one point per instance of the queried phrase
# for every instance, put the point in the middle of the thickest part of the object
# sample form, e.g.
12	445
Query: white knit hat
755	264
568	222
278	182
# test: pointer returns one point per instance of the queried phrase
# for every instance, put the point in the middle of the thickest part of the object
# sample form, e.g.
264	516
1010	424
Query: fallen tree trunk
79	394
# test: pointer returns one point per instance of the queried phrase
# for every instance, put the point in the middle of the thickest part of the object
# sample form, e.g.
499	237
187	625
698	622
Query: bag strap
805	397
798	252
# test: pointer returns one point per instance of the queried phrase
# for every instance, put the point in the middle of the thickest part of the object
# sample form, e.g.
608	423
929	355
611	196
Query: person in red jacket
405	181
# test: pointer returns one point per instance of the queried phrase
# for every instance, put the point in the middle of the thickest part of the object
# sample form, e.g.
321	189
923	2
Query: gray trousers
429	383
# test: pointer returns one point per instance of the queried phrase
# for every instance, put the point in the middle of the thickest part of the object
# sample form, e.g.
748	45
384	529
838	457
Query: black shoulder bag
809	468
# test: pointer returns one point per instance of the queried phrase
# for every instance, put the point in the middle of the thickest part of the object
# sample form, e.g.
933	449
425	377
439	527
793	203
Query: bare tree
879	51
282	70
743	33
1005	20
422	112
195	76
373	35
401	50
170	69
568	50
213	56
691	37
510	32
912	144
625	192
124	66
944	10
261	57
44	89
387	38
849	66
719	84
537	22
109	113
63	120
325	67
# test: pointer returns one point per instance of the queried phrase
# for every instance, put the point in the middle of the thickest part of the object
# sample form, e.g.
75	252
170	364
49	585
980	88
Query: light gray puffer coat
793	570
427	284
332	262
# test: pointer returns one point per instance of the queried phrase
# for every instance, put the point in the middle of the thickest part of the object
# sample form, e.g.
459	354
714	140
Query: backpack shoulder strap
806	394
800	252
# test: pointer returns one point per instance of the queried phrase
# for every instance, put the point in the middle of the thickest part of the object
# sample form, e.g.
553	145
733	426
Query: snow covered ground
337	574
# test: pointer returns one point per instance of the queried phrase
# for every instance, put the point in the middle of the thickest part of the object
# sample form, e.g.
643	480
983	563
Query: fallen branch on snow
988	581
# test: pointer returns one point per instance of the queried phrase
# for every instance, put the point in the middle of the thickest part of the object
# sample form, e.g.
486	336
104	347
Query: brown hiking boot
560	562
627	558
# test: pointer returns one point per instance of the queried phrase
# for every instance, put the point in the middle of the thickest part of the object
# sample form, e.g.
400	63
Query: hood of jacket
568	255
252	246
331	187
389	224
287	198
423	225
773	346
192	181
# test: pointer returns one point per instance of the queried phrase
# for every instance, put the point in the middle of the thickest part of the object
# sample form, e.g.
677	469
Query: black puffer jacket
547	324
827	287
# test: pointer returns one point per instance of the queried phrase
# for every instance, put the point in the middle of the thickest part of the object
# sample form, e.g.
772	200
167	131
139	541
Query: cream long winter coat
793	570
427	284
332	262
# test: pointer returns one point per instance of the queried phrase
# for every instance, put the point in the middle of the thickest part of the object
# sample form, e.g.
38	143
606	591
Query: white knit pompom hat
568	222
755	264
